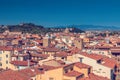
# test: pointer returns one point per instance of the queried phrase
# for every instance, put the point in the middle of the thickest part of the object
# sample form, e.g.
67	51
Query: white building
102	66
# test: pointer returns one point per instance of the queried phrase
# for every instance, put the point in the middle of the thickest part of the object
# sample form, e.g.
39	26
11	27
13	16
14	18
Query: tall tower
79	43
107	34
46	42
67	30
107	37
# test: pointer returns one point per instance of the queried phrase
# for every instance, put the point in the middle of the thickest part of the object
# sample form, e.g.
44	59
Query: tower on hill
66	30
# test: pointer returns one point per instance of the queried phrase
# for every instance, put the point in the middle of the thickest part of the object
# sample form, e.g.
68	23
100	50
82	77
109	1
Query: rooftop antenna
20	46
29	57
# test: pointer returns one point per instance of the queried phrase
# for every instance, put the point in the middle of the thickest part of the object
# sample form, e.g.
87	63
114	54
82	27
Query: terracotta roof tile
81	65
73	74
21	63
94	77
51	49
13	75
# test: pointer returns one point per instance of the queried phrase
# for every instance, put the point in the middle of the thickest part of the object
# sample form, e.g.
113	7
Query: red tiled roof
81	65
13	75
75	50
21	63
115	50
93	56
61	62
109	62
31	71
46	67
20	55
94	77
6	48
73	74
9	48
61	54
51	49
39	41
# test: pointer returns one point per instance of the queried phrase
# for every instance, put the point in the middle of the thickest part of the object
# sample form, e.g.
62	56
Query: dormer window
100	62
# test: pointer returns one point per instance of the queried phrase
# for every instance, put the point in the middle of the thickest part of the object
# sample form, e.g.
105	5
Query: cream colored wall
101	52
4	59
98	69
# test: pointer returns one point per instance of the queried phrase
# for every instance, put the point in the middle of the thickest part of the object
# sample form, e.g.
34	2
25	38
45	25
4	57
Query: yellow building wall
69	78
41	77
83	70
5	59
86	40
13	67
70	58
56	74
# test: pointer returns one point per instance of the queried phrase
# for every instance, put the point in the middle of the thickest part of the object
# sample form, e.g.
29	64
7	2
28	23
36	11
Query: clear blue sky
60	12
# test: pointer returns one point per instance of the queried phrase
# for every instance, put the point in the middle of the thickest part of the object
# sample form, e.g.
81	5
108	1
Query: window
18	67
81	59
62	58
71	69
99	52
66	71
6	67
100	69
7	56
51	78
0	58
89	70
0	64
0	52
6	62
102	52
16	52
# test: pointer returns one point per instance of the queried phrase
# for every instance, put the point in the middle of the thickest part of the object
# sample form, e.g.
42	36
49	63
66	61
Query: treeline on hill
34	29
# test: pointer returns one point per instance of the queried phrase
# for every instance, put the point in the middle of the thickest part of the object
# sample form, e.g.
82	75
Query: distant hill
32	28
61	29
28	28
94	27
